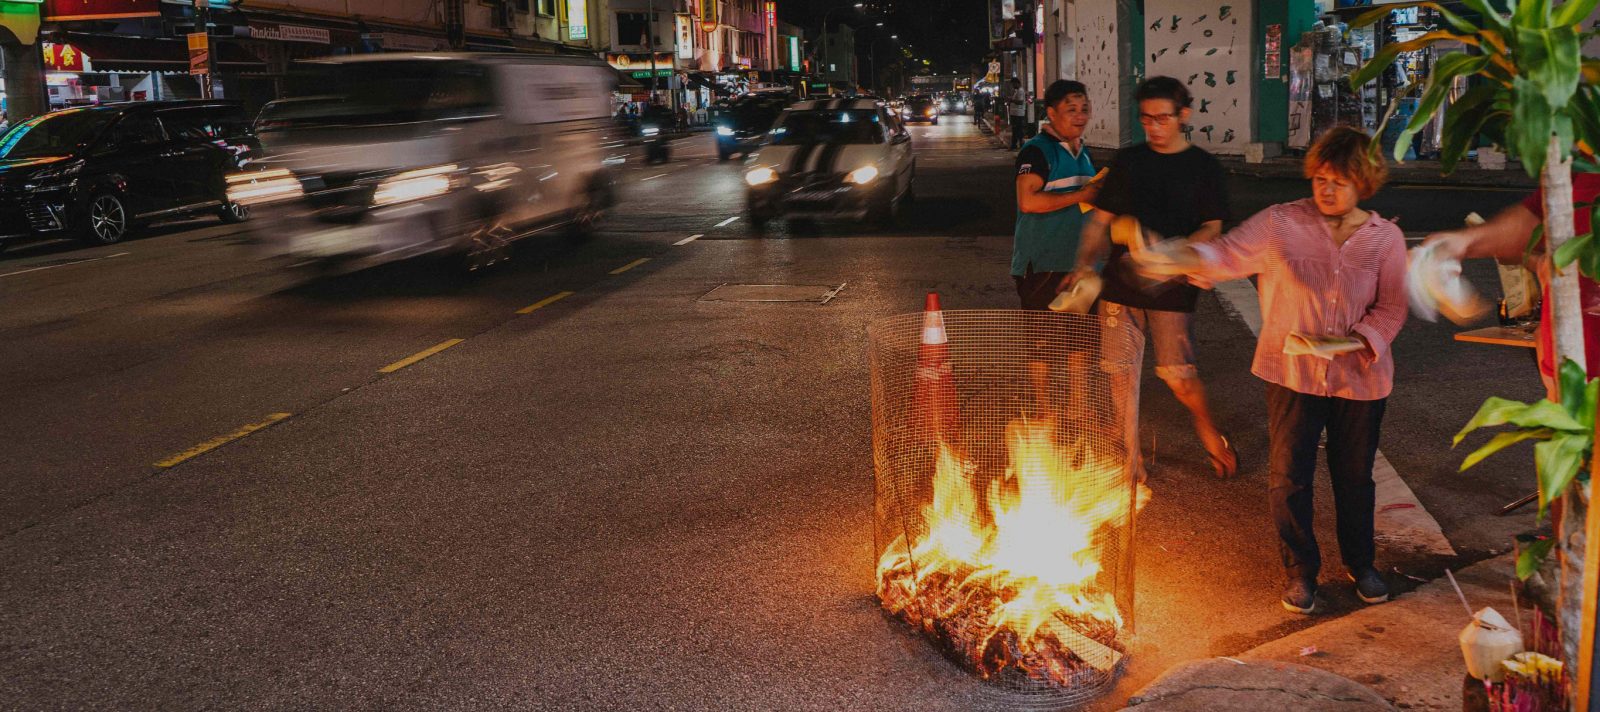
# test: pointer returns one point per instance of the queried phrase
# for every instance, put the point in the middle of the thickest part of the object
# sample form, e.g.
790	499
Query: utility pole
202	22
650	42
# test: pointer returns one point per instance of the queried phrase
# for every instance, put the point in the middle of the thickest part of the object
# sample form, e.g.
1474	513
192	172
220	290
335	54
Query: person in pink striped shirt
1332	284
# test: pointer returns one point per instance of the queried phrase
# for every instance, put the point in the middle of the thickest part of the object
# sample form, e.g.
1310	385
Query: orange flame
1026	552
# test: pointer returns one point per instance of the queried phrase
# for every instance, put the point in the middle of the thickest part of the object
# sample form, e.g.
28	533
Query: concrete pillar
24	76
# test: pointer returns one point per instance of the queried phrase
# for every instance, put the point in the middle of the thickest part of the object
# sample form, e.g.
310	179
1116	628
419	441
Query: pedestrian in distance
1055	184
1017	108
1177	190
1332	280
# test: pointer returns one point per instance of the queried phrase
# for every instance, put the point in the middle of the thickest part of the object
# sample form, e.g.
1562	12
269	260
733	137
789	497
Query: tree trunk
1566	313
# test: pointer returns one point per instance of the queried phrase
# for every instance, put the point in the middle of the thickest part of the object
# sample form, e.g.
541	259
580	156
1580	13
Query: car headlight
650	131
258	187
928	112
761	176
415	185
56	173
724	131
862	175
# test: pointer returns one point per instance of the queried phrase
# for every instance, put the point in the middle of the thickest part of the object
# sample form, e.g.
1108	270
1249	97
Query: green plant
1531	69
1533	83
1565	432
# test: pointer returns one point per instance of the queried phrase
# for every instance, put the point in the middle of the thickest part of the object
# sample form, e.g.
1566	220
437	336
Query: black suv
97	172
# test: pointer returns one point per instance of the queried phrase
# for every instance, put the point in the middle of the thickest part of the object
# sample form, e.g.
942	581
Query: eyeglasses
1156	119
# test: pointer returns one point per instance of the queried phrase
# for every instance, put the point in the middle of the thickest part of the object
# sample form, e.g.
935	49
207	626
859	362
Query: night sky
952	34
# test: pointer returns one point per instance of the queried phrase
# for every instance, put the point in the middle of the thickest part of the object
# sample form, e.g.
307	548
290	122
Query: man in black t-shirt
1177	191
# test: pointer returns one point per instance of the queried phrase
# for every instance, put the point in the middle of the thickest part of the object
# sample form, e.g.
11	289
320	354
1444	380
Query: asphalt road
626	498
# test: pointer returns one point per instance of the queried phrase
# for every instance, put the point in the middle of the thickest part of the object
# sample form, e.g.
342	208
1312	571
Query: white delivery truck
375	158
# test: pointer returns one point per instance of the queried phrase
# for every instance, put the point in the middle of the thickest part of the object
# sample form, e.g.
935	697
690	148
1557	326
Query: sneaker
1300	596
1369	585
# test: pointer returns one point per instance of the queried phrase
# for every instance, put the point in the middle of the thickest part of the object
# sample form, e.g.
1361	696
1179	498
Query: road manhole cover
815	293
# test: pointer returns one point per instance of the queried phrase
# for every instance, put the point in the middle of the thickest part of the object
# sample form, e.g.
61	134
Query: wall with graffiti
1207	45
1098	67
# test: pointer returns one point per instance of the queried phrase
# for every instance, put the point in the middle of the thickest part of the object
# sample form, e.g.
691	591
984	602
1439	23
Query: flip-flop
1224	470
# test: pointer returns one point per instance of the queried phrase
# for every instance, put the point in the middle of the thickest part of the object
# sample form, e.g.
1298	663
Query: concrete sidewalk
1405	651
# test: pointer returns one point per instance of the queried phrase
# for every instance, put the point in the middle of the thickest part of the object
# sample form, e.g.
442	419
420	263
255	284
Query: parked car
741	129
375	158
920	108
841	158
98	173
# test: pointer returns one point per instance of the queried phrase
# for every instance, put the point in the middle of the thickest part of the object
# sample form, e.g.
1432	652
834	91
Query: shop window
546	7
631	27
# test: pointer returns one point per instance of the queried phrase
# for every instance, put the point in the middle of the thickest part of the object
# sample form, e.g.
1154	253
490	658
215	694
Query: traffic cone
936	386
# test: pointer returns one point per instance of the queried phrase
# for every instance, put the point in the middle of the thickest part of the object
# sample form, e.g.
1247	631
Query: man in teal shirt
1055	184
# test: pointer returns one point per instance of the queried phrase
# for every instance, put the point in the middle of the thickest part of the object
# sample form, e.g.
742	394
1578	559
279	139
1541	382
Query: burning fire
1008	576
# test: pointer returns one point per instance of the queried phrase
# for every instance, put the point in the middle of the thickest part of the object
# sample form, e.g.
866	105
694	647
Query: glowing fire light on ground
1008	576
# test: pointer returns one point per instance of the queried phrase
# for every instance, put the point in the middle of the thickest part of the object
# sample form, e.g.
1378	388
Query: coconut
1486	641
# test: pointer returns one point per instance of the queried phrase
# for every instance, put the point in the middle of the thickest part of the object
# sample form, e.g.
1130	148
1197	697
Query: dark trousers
1038	289
1295	423
1019	126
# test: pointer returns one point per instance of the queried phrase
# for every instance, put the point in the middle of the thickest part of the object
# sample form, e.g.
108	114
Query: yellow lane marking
547	301
407	361
221	440
630	265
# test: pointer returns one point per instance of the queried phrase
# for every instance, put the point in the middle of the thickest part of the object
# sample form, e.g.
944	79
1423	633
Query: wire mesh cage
1005	493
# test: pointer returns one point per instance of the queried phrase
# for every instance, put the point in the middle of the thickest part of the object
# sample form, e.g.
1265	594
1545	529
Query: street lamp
825	17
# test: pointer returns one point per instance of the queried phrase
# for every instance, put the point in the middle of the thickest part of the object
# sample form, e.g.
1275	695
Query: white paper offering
1323	347
1434	286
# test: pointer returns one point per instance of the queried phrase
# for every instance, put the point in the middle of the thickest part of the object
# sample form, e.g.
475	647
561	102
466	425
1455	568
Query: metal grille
1005	496
40	217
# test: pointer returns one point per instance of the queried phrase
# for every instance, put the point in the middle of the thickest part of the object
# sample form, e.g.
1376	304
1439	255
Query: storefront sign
685	44
629	62
63	57
69	10
794	53
708	17
1272	54
577	19
291	33
772	15
199	53
998	14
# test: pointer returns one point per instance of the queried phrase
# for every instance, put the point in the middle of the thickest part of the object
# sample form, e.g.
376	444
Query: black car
742	127
96	173
920	108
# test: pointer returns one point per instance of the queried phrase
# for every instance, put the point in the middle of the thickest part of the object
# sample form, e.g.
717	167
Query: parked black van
96	173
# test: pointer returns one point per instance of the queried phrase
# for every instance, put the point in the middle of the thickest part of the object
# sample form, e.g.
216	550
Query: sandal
1226	464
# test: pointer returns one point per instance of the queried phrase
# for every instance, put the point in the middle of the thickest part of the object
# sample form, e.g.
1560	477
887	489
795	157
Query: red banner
67	10
62	57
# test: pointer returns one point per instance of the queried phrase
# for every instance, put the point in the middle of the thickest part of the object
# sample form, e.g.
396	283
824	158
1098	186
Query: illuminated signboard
708	17
794	53
63	57
772	15
685	44
65	10
577	19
